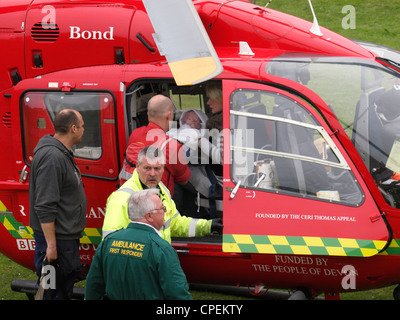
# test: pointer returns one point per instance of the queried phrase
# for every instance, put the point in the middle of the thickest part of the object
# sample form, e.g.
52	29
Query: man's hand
216	225
51	253
50	235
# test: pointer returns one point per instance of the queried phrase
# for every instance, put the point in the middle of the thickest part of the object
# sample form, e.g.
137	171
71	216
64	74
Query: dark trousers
67	267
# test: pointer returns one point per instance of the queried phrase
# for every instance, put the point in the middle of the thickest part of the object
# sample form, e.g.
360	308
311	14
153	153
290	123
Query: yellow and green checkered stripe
303	245
15	228
91	236
18	230
393	249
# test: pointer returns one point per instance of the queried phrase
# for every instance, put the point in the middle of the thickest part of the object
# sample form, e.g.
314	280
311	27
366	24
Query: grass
371	17
9	270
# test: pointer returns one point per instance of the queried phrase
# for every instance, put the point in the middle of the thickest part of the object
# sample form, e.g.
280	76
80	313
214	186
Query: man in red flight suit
160	113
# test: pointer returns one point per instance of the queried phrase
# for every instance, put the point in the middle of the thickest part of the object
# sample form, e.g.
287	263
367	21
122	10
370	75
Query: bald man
57	200
160	112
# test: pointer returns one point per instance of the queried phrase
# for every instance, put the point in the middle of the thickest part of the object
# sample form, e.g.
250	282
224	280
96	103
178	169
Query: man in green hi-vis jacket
136	263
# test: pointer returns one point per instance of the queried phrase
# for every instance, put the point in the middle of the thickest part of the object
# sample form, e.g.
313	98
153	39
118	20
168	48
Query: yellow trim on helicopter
305	245
273	244
19	231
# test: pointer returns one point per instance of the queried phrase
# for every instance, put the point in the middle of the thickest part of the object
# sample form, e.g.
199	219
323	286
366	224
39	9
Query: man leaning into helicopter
148	173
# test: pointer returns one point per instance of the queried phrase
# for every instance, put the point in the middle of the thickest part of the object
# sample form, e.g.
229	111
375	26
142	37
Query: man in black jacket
58	202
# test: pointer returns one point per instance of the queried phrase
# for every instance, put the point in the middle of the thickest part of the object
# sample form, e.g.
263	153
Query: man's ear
149	217
73	128
168	114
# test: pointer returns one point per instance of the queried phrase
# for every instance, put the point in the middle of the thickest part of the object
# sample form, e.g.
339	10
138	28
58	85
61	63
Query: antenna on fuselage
315	27
268	3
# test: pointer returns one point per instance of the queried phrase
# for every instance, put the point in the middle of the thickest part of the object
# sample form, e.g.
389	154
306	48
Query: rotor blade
182	38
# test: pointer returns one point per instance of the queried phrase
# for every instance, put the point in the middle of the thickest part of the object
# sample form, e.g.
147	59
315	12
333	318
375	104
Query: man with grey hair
136	263
148	173
160	111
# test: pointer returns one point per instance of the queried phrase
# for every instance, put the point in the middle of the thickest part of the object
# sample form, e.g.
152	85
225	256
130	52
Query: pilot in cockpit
387	108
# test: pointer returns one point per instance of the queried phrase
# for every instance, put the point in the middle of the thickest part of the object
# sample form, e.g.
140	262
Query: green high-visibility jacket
136	263
116	216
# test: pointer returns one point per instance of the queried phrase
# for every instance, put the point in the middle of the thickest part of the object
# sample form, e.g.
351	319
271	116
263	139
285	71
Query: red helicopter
311	196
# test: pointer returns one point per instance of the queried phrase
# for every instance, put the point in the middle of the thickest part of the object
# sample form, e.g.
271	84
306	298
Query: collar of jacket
142	226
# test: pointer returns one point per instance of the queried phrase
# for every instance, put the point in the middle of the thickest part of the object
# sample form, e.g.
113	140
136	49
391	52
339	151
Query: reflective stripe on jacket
175	225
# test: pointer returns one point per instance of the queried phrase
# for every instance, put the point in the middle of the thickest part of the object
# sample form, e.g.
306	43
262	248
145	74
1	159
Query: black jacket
56	192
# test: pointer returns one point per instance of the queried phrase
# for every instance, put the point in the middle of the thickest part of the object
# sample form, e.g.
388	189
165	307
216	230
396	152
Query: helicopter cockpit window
278	146
365	97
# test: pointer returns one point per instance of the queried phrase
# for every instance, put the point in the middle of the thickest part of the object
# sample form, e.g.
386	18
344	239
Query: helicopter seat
367	128
297	175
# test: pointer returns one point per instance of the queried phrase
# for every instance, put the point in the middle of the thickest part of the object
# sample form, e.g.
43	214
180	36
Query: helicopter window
183	97
365	97
88	105
97	109
277	145
187	99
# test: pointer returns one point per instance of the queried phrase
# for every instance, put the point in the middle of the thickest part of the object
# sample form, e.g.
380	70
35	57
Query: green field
376	21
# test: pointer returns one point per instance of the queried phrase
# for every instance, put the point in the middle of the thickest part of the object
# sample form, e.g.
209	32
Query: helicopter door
289	186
